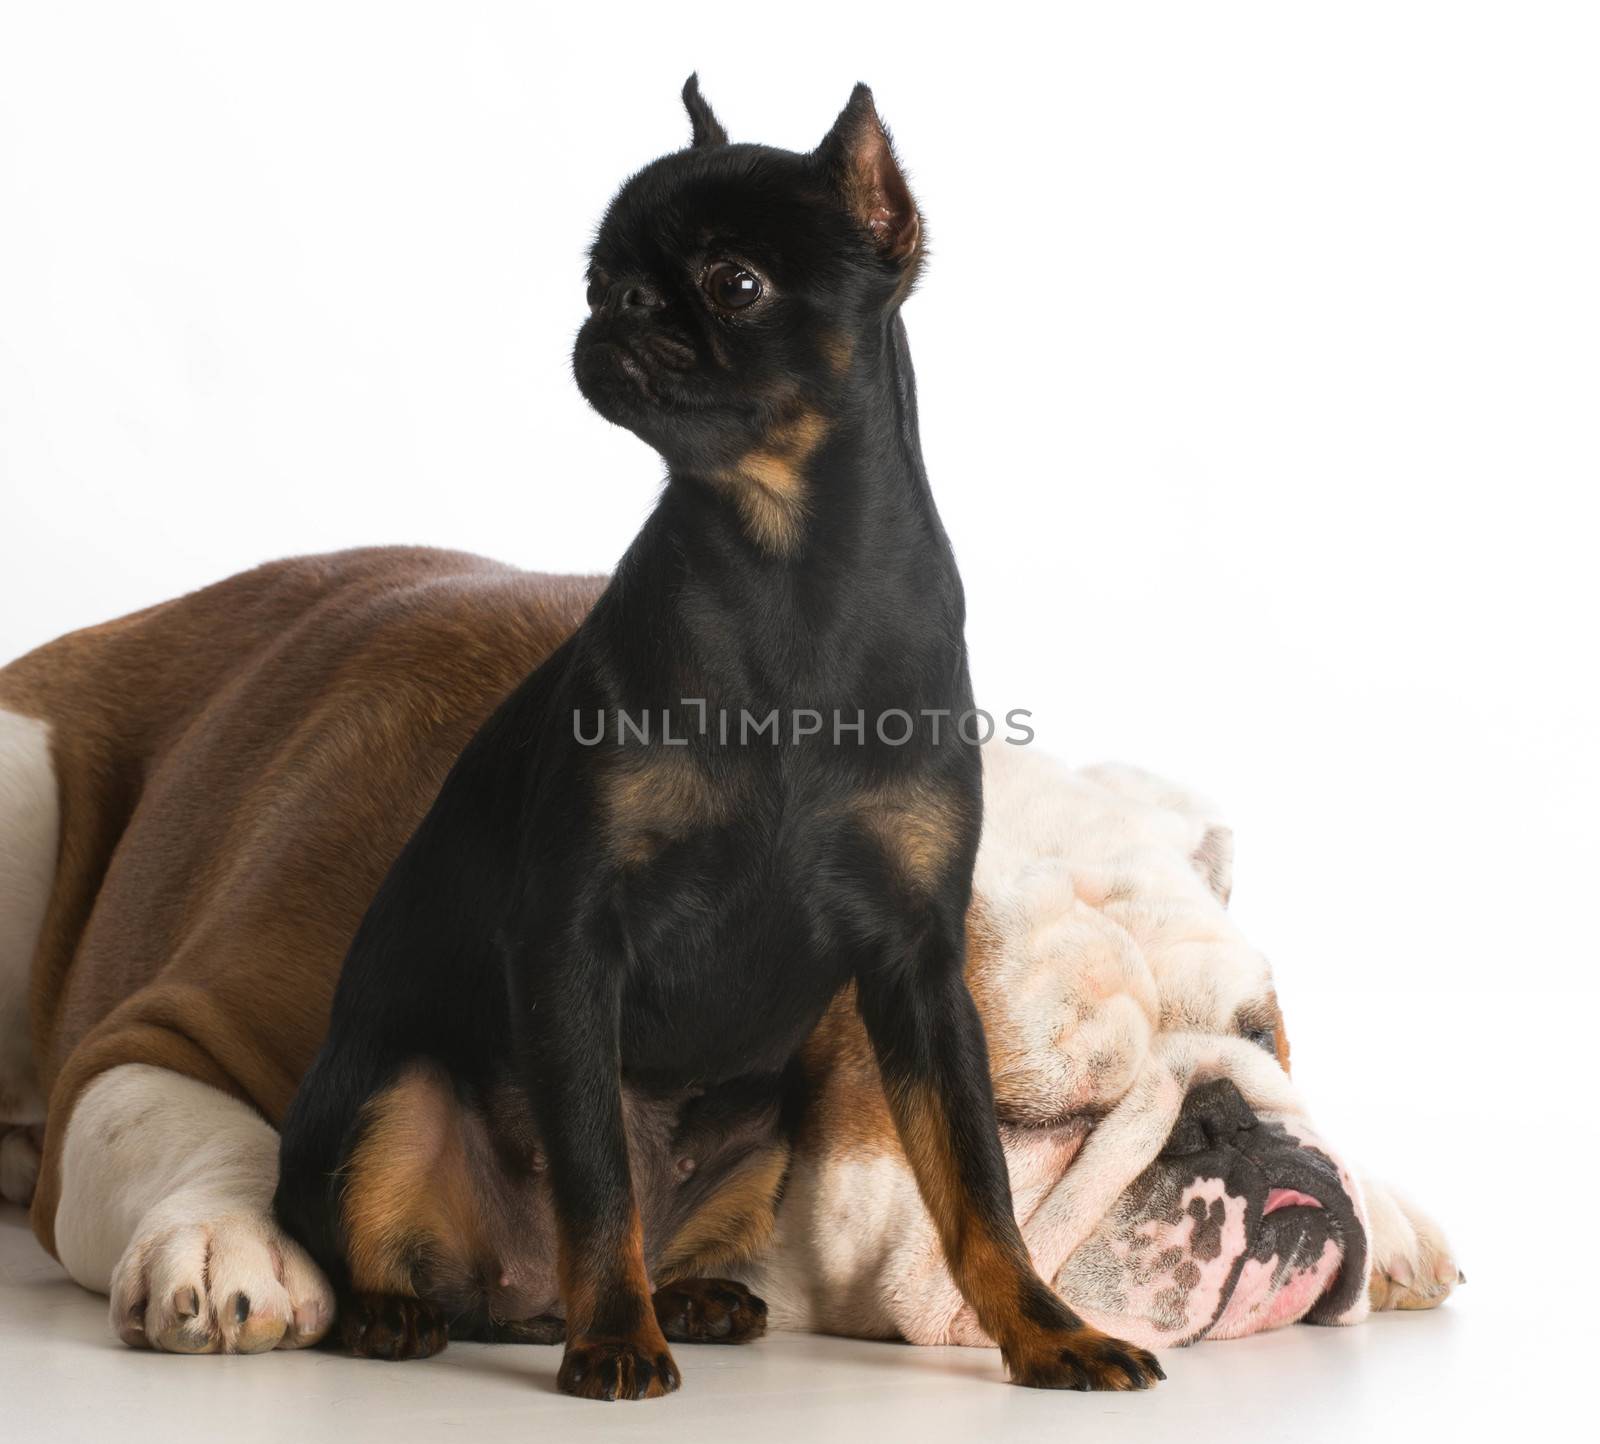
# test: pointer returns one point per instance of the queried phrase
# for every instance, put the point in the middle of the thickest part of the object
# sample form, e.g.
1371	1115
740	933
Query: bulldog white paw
229	1284
1412	1266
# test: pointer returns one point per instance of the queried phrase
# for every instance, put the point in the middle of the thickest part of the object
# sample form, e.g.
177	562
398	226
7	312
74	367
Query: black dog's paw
1082	1358
389	1326
617	1369
710	1311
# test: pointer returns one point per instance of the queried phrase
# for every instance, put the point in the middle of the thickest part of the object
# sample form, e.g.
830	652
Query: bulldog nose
1213	1114
634	297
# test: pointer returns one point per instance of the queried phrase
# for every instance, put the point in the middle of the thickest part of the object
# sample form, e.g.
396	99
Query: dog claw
709	1311
612	1369
1085	1359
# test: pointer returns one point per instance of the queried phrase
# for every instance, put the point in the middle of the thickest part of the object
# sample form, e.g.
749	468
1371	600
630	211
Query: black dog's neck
880	455
866	599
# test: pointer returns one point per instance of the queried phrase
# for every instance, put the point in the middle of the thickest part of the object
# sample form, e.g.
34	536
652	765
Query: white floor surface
1470	1370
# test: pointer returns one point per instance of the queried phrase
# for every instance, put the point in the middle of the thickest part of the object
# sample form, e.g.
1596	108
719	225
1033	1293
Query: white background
1260	370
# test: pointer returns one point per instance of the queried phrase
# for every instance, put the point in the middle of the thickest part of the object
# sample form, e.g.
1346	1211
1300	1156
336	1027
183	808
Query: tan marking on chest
663	796
769	487
919	829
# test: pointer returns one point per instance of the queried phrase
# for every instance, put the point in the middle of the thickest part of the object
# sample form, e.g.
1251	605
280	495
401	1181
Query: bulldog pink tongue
1287	1198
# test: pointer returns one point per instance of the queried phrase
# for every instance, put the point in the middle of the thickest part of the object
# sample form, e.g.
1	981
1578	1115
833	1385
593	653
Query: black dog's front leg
615	1348
930	1047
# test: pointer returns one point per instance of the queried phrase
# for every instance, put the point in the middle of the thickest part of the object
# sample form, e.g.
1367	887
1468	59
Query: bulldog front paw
709	1311
1412	1266
230	1284
617	1369
1081	1358
390	1326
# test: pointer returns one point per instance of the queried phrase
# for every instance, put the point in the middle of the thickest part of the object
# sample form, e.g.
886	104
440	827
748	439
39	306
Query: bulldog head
1242	1222
1125	1008
1163	1167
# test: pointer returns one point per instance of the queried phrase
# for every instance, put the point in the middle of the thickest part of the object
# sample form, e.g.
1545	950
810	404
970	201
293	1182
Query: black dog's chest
736	944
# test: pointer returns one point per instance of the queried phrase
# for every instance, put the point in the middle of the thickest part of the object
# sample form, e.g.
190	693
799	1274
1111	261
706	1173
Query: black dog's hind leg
690	1311
930	1047
388	1326
482	1330
709	1311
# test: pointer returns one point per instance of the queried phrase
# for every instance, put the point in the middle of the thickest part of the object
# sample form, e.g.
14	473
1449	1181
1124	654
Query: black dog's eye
731	286
1262	1038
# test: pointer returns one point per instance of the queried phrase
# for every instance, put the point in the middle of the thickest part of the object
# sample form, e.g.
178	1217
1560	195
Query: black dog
675	904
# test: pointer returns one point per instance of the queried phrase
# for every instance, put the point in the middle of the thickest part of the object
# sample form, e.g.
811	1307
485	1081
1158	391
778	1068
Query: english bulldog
198	801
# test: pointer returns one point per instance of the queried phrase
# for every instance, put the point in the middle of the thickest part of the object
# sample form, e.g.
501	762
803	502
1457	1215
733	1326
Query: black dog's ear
861	163
707	128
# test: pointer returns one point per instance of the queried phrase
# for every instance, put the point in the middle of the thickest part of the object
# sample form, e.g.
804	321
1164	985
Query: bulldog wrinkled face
1241	1223
727	286
1141	1066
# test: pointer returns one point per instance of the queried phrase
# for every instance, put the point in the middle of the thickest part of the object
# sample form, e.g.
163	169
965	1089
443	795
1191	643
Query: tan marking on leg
1043	1343
733	1224
585	1281
989	1274
615	1347
408	1191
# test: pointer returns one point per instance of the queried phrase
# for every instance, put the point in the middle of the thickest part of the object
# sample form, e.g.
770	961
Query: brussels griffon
741	786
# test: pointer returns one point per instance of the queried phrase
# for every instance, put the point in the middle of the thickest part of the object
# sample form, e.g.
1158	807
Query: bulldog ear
1213	860
860	162
707	128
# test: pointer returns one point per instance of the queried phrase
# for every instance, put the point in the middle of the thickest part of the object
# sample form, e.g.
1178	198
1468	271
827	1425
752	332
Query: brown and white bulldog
198	801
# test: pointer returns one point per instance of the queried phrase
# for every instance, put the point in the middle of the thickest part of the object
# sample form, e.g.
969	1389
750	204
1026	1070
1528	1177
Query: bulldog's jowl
1239	1223
674	906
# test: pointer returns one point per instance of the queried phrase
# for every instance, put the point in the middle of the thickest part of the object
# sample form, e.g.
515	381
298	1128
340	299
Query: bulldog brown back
238	769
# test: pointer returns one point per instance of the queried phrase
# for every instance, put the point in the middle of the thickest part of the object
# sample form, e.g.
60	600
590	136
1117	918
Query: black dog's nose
634	296
1213	1114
